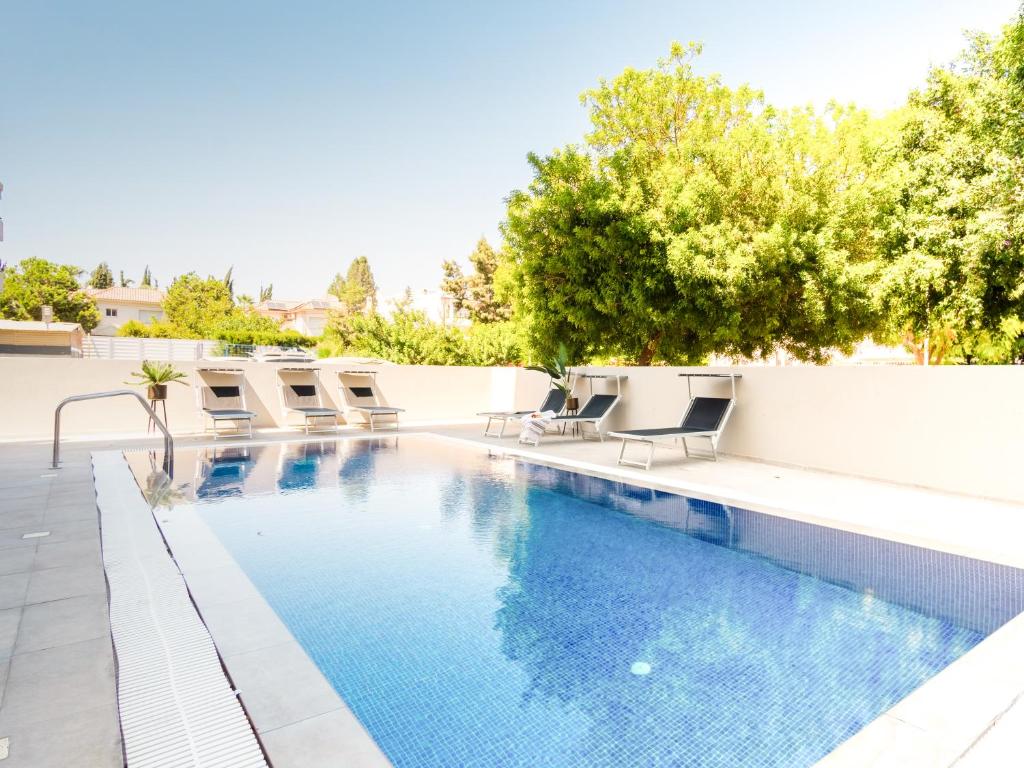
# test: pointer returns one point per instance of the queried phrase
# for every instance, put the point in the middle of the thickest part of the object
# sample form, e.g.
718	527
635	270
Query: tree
475	292
147	278
953	250
229	282
266	294
196	307
453	283
36	283
101	277
125	282
696	220
357	291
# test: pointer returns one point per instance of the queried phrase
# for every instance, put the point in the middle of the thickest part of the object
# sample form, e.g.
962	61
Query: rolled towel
534	426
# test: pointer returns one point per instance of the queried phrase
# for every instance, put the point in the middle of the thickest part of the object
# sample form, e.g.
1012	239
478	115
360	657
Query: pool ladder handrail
168	440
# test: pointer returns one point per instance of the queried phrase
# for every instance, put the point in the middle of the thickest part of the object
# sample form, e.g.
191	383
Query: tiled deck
57	700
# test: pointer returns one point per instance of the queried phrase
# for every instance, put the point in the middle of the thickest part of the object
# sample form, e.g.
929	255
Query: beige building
119	305
34	337
308	317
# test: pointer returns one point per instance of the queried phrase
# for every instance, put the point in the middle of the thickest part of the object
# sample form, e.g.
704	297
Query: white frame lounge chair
218	410
594	412
304	398
364	400
705	417
554	401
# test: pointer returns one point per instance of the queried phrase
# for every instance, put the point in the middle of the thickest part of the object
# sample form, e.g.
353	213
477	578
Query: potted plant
557	369
156	376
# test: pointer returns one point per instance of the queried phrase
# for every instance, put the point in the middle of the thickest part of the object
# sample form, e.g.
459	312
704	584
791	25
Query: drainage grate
176	706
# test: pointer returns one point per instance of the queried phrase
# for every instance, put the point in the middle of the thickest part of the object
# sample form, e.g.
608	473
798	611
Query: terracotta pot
572	404
157	391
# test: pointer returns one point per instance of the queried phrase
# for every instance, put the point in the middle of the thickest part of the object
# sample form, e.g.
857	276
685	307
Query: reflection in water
300	464
221	471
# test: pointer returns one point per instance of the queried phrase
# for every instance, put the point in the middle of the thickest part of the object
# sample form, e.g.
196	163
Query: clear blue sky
288	138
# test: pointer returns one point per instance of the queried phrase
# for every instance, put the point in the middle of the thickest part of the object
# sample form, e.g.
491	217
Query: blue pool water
477	611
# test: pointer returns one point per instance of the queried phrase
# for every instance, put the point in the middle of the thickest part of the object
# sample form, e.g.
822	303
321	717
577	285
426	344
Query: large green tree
36	283
195	307
696	219
953	249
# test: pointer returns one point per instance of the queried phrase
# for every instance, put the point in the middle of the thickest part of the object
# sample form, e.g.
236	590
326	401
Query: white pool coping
935	725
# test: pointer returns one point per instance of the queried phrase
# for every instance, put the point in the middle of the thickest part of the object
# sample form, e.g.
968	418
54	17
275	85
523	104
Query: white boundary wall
954	428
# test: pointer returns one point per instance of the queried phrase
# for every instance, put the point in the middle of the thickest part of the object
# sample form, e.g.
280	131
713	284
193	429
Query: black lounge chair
554	401
594	412
705	417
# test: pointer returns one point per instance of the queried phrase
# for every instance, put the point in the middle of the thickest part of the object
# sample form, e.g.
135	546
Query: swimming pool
475	610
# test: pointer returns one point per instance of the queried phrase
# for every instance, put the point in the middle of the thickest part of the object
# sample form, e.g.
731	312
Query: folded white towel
534	426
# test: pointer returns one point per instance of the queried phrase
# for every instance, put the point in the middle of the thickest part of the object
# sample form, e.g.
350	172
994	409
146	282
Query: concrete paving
57	699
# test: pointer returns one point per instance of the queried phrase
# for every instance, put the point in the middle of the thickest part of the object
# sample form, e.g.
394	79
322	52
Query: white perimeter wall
955	428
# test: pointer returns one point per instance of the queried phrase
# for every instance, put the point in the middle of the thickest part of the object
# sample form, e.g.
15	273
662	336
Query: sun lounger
705	418
359	392
224	400
593	414
554	401
299	391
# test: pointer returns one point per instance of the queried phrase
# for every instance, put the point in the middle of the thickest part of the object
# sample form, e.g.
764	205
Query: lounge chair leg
686	448
622	451
650	456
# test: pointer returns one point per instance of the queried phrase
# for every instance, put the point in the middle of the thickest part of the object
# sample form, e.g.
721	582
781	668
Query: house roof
151	296
290	305
38	325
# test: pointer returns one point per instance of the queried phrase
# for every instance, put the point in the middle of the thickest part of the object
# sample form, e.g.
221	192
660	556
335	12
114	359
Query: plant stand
151	426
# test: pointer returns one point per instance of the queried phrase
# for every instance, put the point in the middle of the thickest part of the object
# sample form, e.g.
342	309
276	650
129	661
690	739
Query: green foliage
410	338
157	373
357	291
154	329
952	255
266	294
229	281
124	282
147	278
195	307
35	283
476	293
245	326
557	369
101	277
498	343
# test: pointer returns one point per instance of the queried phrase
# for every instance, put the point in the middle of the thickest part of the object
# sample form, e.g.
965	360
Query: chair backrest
358	390
223	396
597	406
706	414
300	394
555	401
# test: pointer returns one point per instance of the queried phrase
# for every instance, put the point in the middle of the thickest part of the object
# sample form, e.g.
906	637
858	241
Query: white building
437	306
119	305
308	317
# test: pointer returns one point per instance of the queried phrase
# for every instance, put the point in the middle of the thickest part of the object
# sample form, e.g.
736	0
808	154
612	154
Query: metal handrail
168	440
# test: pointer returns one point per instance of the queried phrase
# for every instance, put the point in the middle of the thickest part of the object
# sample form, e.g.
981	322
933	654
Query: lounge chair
705	417
593	413
223	401
361	397
303	397
554	401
